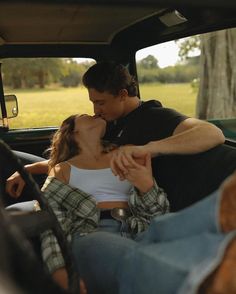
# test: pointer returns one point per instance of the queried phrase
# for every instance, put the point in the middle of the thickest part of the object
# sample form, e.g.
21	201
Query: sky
165	53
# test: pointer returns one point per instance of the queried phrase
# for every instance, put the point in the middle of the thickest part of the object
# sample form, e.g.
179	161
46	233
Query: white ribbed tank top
101	183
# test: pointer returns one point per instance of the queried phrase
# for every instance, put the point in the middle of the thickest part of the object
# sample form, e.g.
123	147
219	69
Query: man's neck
131	104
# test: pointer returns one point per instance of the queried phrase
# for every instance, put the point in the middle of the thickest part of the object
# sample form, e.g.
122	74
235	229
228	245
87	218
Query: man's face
106	105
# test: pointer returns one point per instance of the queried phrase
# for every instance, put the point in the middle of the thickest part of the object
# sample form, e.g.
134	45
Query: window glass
48	89
194	75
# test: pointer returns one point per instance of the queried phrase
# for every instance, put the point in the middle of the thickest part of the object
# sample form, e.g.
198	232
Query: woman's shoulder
61	171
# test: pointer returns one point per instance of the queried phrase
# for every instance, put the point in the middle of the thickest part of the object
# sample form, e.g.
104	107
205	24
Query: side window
194	75
164	76
47	89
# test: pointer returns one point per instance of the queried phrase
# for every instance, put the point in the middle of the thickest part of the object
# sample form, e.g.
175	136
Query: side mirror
11	106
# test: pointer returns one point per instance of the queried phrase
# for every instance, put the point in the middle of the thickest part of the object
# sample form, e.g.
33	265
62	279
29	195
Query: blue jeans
174	255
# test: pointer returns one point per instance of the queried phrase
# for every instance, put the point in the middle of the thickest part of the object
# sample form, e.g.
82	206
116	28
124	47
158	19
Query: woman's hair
63	144
110	77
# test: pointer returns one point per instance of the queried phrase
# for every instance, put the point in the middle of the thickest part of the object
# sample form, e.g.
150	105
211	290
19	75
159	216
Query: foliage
181	73
73	72
195	85
23	73
188	45
149	62
28	72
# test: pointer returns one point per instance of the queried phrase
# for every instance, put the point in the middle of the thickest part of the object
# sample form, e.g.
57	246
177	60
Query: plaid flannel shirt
77	211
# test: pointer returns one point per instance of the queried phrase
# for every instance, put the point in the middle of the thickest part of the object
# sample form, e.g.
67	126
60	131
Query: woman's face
86	123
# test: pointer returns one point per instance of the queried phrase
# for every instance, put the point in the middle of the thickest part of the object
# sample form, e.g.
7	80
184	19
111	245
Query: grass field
49	107
178	96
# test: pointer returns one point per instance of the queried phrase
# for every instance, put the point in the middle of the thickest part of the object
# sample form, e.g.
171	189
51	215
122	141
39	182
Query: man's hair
110	77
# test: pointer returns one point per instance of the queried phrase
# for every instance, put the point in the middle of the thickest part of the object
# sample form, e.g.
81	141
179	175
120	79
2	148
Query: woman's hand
139	173
15	185
125	156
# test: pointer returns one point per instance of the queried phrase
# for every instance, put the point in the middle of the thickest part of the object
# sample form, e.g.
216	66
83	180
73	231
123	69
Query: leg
110	264
172	267
213	214
98	256
193	220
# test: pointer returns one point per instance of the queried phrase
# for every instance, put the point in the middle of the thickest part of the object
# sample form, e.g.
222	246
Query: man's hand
15	185
140	175
126	156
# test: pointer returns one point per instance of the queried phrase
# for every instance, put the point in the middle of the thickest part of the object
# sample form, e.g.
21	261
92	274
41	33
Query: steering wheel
34	223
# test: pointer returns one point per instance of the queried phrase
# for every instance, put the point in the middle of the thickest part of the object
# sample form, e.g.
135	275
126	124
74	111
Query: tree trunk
41	79
217	89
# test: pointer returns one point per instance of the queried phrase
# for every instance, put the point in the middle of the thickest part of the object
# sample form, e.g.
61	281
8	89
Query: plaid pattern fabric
145	207
76	211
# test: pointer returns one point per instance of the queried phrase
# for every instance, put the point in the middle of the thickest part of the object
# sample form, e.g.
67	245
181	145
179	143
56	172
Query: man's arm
15	183
191	136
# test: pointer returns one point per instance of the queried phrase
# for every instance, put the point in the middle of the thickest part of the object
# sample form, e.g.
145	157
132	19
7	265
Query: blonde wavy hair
64	146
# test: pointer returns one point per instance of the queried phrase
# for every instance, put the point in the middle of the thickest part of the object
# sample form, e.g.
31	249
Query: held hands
15	185
134	164
124	156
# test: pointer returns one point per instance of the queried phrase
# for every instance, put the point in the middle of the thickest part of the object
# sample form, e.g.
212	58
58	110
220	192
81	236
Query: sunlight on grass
49	107
177	96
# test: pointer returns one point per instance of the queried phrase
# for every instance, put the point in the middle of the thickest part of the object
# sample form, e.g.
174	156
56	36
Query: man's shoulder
145	109
151	104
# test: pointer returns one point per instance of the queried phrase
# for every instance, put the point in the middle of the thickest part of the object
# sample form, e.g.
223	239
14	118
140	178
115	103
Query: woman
86	196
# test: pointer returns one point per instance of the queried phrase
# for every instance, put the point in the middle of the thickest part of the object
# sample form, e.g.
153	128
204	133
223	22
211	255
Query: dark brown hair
110	77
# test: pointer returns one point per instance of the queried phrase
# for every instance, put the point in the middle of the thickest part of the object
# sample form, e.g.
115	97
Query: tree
217	89
16	72
73	72
188	45
29	72
46	69
71	75
149	62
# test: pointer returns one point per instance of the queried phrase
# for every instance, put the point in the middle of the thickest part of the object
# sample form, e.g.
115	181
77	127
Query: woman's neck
90	150
91	158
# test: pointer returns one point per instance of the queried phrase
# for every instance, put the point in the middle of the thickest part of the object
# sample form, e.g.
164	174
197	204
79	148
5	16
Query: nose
96	109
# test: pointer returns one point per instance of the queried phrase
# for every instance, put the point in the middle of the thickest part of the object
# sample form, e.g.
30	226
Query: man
190	159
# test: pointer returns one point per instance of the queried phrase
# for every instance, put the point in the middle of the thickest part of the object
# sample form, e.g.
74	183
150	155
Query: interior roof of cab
104	29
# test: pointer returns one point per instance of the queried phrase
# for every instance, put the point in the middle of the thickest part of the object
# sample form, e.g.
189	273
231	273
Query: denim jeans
174	255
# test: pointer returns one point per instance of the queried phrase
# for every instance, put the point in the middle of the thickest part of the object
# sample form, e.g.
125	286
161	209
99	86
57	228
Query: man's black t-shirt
150	121
185	178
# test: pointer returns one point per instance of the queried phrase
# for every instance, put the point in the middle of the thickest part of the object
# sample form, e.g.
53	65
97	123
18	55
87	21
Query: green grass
49	107
178	96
